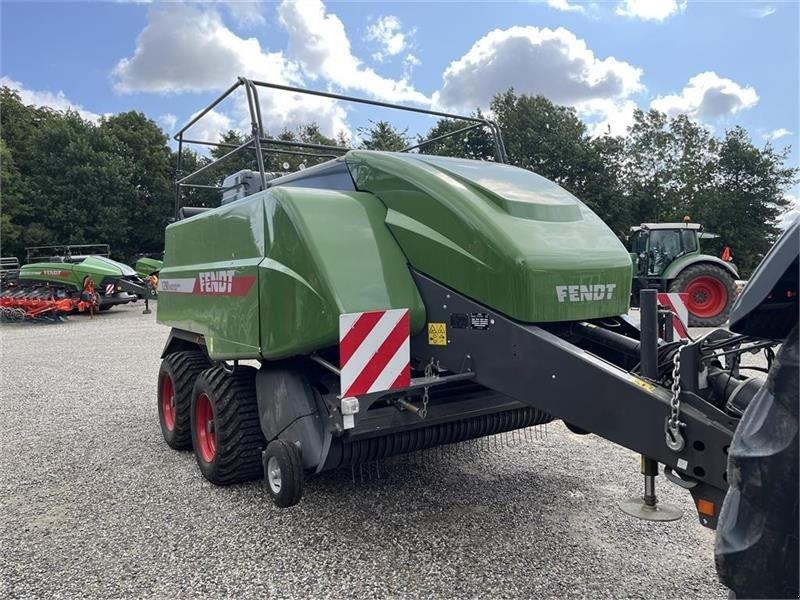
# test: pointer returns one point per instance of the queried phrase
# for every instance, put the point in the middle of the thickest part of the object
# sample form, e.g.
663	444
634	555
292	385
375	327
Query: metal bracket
672	476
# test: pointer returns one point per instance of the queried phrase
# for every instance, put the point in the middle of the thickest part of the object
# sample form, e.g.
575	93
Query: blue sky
723	63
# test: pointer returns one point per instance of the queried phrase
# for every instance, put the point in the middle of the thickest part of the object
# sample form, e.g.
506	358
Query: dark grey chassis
538	368
495	377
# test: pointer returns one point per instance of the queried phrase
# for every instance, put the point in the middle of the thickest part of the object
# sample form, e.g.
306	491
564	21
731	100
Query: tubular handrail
261	144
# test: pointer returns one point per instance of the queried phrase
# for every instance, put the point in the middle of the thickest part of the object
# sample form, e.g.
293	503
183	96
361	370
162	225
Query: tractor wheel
711	291
283	473
757	536
226	430
106	307
175	381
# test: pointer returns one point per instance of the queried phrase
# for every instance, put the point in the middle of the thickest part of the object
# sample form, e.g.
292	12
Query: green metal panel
146	266
329	253
315	254
499	234
680	263
100	267
97	267
225	241
57	273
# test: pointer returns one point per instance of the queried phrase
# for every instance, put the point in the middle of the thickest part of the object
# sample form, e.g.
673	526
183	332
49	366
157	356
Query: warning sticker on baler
437	334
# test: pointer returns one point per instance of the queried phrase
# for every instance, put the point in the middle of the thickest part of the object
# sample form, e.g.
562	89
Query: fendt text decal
210	283
585	293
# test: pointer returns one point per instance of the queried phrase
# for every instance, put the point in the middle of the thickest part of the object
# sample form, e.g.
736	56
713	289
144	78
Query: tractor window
639	242
689	240
665	245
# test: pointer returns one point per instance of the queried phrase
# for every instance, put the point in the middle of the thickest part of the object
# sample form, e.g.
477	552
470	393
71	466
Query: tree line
67	180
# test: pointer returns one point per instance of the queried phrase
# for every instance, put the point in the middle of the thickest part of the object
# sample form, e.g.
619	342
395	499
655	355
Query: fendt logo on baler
585	293
216	282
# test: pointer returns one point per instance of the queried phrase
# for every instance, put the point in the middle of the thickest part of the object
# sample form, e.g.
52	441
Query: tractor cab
654	246
667	257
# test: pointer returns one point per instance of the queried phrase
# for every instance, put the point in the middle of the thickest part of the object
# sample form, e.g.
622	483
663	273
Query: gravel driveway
94	504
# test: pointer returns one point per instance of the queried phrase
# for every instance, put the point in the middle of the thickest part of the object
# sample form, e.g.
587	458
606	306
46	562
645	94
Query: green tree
750	183
12	209
475	144
547	139
143	145
381	135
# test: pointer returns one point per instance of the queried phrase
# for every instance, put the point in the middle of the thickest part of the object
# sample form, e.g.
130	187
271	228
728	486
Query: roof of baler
517	191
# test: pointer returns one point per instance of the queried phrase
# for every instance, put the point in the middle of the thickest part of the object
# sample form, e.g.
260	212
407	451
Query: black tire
757	537
286	486
726	281
106	307
182	368
238	441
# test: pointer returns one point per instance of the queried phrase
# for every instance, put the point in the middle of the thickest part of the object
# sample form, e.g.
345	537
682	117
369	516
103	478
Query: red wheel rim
707	296
204	425
168	402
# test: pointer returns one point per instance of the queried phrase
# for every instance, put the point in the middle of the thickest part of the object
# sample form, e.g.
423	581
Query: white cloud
204	55
55	100
188	49
319	42
210	127
777	134
650	10
565	6
387	32
553	63
409	62
246	14
168	121
612	117
707	97
761	11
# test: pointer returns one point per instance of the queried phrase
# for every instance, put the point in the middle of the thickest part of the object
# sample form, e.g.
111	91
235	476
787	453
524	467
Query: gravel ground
94	504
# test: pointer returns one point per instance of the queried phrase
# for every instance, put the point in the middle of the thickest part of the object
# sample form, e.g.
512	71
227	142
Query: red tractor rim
204	425
168	402
707	296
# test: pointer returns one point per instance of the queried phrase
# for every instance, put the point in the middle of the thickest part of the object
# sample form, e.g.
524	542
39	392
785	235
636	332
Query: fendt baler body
71	276
146	266
267	276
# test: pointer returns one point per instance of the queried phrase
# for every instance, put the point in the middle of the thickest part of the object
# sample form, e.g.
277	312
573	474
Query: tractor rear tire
283	473
711	290
175	382
226	430
757	537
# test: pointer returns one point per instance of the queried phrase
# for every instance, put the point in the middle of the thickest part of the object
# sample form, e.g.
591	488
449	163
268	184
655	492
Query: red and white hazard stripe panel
374	351
109	289
676	303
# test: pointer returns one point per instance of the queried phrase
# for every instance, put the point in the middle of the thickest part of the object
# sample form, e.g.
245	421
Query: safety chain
428	373
672	428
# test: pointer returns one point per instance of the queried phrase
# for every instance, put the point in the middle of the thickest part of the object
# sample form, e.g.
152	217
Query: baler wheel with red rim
226	430
711	291
175	383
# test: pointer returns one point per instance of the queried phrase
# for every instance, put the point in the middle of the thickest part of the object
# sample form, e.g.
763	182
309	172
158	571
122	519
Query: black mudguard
757	536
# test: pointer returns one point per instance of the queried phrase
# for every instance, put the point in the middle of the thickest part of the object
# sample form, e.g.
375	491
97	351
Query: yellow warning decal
643	384
437	334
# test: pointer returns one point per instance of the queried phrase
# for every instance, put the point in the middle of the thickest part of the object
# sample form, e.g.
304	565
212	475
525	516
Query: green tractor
381	303
667	257
70	270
